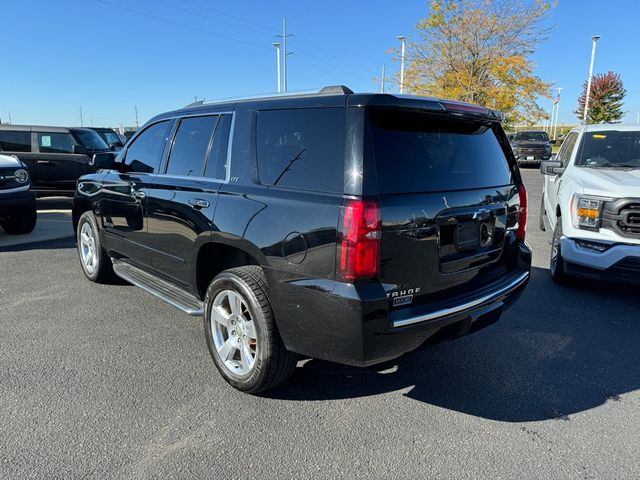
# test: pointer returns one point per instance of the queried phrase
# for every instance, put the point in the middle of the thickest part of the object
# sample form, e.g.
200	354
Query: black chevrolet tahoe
346	227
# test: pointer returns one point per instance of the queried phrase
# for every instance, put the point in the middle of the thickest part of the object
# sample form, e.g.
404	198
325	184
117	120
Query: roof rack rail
329	90
194	104
336	89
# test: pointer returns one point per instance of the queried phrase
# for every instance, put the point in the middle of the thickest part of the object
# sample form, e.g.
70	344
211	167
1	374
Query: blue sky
160	54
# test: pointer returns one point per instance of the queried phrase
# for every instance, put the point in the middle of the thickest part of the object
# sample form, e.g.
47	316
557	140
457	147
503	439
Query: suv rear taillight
522	219
359	249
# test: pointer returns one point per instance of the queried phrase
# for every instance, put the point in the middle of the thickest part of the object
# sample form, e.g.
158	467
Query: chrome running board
160	288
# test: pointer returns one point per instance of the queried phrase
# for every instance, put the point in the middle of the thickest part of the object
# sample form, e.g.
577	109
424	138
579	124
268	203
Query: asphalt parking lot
104	381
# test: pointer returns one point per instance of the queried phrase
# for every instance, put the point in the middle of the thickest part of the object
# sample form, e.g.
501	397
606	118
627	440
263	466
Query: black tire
557	263
102	271
20	221
272	362
542	214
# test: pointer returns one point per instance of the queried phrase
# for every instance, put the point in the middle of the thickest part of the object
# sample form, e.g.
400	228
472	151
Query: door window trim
177	120
122	155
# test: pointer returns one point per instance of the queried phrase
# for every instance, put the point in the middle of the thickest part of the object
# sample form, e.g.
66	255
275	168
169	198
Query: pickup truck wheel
20	221
241	332
556	265
542	214
96	264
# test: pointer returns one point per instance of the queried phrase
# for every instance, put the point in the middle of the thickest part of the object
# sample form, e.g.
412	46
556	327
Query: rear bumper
620	262
9	201
351	324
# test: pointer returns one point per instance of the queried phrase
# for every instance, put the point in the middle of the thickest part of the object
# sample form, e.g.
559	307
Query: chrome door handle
198	203
138	194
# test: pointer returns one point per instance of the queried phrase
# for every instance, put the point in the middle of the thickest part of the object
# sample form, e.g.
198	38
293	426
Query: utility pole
402	51
382	81
594	40
136	109
277	45
81	121
284	54
9	118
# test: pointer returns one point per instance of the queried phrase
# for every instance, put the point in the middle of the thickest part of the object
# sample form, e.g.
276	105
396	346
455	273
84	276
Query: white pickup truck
591	204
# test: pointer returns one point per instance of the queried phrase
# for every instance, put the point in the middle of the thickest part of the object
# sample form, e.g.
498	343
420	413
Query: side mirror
551	167
103	161
80	149
552	142
116	146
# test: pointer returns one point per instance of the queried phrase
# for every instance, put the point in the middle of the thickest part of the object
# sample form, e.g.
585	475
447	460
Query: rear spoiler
429	104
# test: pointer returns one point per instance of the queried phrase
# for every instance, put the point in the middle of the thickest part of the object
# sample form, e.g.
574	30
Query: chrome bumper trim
465	306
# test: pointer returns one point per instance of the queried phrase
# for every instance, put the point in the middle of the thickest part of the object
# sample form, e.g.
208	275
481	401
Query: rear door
449	202
181	201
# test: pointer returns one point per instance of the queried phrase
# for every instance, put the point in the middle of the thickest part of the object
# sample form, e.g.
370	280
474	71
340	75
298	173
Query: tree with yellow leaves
479	51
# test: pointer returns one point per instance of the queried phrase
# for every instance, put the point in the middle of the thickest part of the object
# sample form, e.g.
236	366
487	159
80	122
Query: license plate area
471	238
466	236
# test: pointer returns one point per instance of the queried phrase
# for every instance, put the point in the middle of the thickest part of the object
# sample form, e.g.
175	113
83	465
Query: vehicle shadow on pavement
55	244
558	351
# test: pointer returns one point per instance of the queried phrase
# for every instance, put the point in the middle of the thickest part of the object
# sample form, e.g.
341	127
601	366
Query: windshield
90	139
531	137
417	153
611	148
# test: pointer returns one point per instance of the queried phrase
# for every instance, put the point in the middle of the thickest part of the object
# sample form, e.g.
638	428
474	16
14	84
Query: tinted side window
15	141
417	153
55	142
564	155
191	145
302	149
217	161
144	154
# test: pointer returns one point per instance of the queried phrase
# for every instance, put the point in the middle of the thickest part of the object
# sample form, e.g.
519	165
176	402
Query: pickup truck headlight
586	211
21	175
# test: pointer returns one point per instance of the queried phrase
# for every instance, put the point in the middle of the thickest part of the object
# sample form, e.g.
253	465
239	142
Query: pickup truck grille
531	151
630	221
623	216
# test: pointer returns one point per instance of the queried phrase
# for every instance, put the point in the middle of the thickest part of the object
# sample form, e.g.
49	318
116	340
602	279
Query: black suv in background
531	147
347	227
56	156
110	137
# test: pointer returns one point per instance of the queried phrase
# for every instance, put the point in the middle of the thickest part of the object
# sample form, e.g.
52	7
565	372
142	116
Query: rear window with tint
417	153
14	141
302	149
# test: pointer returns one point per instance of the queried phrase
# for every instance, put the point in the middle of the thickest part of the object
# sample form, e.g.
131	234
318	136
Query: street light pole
402	51
555	125
594	40
382	81
277	45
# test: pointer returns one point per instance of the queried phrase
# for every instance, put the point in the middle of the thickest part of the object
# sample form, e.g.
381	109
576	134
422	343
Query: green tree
605	99
479	51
